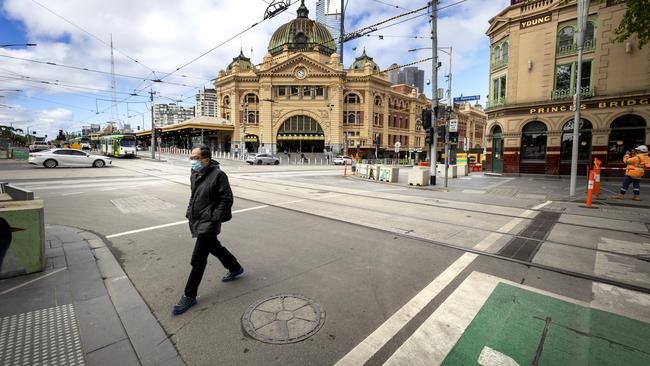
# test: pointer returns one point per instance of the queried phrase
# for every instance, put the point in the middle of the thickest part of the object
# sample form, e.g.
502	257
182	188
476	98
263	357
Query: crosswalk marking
377	339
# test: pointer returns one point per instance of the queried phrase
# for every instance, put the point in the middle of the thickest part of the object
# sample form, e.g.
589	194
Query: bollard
590	188
345	168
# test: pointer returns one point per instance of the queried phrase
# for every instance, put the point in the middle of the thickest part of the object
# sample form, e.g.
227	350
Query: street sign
467	98
397	146
453	125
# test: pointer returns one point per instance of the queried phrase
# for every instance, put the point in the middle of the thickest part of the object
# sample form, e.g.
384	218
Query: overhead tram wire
92	35
391	5
62	84
217	46
92	70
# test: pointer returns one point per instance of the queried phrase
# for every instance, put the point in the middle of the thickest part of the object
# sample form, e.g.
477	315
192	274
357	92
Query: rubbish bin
22	233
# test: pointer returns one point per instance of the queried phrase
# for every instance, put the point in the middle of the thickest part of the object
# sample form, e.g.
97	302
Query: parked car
340	160
67	157
259	159
39	146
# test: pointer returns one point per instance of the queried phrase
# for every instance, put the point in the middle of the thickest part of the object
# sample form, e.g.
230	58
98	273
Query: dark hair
204	151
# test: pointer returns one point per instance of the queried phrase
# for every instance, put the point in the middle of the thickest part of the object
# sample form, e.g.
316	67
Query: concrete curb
149	340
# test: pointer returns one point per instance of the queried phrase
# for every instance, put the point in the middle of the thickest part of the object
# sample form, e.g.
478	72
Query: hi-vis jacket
636	165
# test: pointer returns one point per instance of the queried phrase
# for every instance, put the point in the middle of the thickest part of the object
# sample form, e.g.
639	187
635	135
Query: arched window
378	101
533	142
565	37
352	118
496	53
226	101
584	141
504	51
301	125
627	132
251	98
352	99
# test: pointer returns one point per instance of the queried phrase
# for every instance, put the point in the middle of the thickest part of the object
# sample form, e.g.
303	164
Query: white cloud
162	35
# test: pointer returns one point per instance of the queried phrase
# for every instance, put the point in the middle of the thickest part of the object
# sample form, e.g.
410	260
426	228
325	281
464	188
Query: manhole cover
281	319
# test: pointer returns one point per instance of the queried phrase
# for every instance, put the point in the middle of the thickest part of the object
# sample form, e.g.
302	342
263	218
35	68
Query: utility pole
450	110
583	12
342	29
153	127
434	92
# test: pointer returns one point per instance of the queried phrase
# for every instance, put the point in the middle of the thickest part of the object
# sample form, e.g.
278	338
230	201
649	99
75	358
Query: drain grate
41	337
282	319
535	233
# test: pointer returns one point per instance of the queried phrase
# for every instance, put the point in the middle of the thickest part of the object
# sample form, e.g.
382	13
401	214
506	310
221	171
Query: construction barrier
590	188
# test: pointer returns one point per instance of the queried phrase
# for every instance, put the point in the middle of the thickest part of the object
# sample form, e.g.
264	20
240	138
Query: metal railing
497	102
559	94
571	49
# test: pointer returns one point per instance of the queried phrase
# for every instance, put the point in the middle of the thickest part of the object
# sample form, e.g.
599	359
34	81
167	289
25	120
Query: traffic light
442	131
429	137
453	137
426	119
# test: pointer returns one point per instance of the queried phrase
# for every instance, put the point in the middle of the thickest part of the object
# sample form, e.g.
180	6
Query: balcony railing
497	102
571	49
499	63
559	94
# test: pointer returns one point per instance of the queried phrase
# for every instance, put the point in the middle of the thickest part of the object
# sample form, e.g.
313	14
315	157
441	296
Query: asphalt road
401	274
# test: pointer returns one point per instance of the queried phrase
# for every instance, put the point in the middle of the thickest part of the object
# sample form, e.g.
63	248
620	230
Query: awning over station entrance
197	123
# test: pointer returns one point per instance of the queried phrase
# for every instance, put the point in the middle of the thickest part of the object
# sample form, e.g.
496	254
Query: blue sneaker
183	305
230	276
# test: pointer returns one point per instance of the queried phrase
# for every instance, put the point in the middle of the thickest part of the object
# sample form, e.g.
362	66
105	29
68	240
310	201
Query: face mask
196	165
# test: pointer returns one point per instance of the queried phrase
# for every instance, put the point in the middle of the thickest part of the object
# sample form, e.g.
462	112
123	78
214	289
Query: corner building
300	98
532	83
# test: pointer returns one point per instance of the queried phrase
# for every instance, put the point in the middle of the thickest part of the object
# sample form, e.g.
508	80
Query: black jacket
210	202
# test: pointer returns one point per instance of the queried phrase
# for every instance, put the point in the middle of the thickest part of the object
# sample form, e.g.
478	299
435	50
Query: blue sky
163	35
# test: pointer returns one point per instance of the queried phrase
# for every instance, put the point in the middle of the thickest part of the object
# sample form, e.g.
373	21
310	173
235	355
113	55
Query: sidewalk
531	187
82	310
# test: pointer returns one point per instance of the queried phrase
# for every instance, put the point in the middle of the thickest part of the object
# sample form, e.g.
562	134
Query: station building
301	98
532	82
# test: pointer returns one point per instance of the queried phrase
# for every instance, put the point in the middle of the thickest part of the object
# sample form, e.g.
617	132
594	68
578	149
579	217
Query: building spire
303	12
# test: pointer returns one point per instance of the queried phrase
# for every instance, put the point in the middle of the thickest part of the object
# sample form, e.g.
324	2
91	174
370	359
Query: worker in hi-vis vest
636	160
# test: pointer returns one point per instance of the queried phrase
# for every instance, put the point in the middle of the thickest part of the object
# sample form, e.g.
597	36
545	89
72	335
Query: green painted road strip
491	321
535	329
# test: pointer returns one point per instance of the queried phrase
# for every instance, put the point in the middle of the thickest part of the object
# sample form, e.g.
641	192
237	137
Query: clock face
300	73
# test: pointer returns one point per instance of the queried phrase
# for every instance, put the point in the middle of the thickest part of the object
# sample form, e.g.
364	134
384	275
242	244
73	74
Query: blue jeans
636	184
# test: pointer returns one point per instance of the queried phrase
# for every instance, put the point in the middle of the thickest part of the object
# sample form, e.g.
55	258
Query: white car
67	157
39	146
340	160
260	159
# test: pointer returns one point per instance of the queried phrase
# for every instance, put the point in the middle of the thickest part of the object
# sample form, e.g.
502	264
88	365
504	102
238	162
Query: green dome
360	62
243	61
301	34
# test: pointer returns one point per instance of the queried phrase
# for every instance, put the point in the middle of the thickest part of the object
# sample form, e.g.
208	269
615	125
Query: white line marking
540	206
32	281
490	357
71	193
173	224
377	339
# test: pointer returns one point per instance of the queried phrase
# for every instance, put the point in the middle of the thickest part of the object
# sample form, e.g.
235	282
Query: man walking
210	205
636	161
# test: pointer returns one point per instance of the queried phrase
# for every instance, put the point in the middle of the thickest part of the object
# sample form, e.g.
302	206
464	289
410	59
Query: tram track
432	242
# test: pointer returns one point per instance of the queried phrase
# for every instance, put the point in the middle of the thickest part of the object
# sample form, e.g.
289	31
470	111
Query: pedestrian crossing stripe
490	321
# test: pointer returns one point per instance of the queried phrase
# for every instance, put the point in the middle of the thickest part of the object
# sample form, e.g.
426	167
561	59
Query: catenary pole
434	92
153	127
583	11
450	110
342	29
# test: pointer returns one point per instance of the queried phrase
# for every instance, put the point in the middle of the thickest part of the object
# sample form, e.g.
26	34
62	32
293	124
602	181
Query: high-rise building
206	103
328	13
411	76
170	114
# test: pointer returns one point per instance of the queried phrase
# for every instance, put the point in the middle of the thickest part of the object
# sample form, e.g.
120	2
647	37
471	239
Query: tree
635	21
